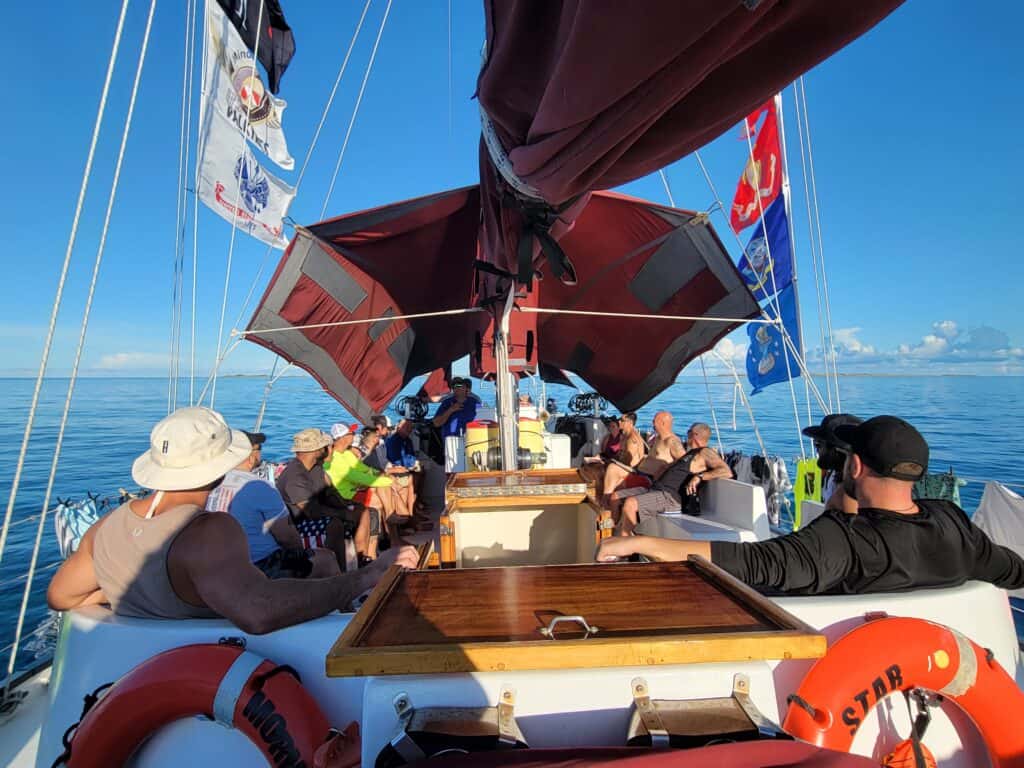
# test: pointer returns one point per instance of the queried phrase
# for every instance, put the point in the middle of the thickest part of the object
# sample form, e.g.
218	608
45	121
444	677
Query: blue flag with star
768	353
757	265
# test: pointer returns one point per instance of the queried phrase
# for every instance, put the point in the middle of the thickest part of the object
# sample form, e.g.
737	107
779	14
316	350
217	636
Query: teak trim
747	597
792	640
594	652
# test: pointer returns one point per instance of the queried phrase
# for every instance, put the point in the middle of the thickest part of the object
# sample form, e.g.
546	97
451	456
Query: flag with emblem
761	180
273	41
234	88
767	261
234	185
769	359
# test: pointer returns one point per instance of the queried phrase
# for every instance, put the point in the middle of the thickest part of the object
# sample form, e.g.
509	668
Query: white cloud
848	345
121	361
947	329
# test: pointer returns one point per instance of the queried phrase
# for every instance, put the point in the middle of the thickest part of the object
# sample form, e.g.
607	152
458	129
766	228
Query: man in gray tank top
164	557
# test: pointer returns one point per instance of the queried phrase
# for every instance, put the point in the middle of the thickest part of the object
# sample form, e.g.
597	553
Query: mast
505	389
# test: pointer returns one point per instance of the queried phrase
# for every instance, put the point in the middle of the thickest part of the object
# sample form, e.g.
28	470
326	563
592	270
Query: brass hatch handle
549	630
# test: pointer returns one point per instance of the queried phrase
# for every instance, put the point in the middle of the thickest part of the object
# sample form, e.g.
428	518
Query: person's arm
215	556
714	468
284	532
74	584
443	414
994	563
665	550
811	561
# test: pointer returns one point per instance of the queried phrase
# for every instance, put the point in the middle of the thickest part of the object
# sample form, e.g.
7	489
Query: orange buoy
899	654
225	682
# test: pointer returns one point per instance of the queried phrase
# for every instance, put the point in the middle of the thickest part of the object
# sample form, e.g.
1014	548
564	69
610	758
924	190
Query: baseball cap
889	445
460	381
826	431
255	438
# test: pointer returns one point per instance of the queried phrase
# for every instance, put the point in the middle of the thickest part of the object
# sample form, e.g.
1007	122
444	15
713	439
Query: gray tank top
130	560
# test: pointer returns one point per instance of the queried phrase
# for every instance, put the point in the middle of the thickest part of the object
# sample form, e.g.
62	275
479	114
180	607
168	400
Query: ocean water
973	424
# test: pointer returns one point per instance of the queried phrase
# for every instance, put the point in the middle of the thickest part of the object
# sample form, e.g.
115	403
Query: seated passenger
619	471
663	449
275	546
892	543
357	483
831	457
456	410
677	486
319	514
612	443
164	557
406	472
378	457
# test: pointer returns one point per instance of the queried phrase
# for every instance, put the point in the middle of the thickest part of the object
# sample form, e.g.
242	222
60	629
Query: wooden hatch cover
562	617
532	486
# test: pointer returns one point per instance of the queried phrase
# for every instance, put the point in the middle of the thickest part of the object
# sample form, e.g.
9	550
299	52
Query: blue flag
765	362
755	265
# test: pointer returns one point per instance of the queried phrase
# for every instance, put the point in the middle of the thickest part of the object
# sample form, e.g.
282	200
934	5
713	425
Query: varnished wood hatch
500	619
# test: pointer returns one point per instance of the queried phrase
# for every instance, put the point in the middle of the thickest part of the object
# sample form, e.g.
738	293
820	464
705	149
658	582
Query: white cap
190	449
339	430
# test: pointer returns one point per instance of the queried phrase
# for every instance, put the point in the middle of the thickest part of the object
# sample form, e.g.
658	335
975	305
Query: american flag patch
313	532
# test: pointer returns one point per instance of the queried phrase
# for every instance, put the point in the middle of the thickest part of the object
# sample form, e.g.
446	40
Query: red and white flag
762	177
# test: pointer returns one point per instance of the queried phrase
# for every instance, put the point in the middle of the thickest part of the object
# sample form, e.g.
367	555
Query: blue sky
917	148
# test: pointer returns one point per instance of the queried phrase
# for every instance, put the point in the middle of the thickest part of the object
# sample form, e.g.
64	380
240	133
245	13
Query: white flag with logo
235	89
234	184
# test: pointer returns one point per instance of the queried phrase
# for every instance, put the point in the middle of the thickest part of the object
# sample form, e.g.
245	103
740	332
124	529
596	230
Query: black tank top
677	474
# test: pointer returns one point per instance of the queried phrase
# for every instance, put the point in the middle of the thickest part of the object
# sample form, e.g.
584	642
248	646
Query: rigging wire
81	339
743	398
711	403
205	52
821	248
48	343
451	113
825	346
703	368
181	212
355	110
242	151
302	173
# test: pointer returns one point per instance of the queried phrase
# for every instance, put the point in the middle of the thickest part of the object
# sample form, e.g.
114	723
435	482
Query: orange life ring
900	654
226	682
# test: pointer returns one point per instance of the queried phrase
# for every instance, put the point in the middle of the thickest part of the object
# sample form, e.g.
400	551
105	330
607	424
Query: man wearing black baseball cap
892	543
831	458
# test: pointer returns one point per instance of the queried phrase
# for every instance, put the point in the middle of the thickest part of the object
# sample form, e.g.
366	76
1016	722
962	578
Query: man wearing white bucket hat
164	557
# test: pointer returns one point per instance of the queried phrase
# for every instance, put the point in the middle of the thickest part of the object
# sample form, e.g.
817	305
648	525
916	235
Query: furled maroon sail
420	256
577	96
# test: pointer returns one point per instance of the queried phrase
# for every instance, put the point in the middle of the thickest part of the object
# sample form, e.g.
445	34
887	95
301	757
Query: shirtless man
632	453
663	449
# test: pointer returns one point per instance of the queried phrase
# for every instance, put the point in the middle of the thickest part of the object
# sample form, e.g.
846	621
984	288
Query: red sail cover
418	257
585	95
762	175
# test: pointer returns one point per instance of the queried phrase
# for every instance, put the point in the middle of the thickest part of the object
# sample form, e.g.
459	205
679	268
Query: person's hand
691	485
405	557
615	548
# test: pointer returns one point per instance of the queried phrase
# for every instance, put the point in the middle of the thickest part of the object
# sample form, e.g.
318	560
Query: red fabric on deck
751	754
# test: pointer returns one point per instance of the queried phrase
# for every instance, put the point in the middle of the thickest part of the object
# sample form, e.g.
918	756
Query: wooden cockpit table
564	616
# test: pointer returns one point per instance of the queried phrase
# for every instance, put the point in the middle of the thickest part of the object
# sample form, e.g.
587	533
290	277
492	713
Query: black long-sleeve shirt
874	551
